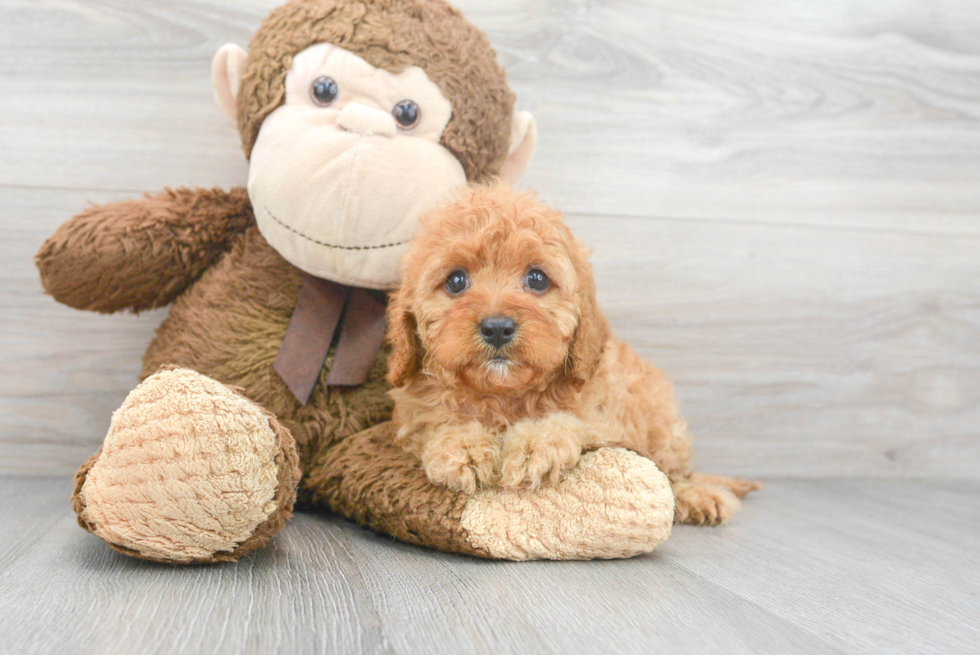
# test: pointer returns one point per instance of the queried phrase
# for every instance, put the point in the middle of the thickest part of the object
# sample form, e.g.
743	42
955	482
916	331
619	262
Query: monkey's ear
226	75
523	141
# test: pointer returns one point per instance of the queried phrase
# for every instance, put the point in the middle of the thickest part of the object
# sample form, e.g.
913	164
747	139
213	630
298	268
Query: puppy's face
495	290
497	308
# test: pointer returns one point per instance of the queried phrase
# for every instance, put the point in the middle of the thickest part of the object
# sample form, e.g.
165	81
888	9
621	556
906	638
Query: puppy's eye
457	282
536	280
407	114
324	91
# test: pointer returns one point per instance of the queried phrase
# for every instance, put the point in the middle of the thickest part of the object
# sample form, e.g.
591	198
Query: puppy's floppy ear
406	351
593	329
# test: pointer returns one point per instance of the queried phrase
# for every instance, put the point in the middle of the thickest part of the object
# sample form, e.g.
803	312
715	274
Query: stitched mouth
330	245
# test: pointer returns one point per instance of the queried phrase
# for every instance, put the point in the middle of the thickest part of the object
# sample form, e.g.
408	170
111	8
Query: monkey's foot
190	472
612	504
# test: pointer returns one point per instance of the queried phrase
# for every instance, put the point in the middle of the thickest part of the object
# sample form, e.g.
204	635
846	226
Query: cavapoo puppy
505	368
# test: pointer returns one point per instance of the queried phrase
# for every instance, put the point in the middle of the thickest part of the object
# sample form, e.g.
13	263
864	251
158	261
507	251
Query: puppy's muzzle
498	331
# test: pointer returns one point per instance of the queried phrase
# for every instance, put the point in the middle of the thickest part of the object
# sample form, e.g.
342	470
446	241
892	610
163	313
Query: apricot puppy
505	368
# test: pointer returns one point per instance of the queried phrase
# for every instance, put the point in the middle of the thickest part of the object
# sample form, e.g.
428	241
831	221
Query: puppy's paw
739	486
699	503
462	457
538	451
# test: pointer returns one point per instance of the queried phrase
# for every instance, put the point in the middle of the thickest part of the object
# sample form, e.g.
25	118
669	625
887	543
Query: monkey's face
342	169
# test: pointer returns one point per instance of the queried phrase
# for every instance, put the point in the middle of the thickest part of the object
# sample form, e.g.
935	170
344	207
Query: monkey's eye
536	280
407	114
457	282
324	91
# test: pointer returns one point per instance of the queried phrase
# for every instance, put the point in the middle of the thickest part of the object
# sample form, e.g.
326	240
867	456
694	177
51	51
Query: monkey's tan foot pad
190	472
613	504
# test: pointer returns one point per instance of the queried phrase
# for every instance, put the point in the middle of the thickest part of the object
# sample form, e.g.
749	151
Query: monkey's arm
615	503
141	254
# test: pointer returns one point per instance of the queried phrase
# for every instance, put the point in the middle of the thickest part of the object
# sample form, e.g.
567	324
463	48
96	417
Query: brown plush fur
394	35
368	479
228	324
522	414
230	319
232	294
141	254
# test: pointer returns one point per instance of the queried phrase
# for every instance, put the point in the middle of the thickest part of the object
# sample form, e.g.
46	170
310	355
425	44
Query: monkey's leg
613	504
191	472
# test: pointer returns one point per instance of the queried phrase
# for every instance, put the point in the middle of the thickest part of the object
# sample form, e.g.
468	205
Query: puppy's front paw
540	450
462	457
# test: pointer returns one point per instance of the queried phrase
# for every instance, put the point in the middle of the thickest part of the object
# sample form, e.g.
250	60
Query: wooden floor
831	566
784	201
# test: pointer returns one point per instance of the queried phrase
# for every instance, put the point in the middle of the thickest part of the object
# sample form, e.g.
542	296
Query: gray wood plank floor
833	566
783	198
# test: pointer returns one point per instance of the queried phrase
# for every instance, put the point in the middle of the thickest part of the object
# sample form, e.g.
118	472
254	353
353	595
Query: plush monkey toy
268	373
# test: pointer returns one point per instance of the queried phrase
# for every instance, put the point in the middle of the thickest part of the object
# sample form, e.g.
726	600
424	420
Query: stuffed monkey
268	373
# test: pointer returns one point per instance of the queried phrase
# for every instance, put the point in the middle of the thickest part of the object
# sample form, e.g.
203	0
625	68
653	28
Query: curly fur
521	415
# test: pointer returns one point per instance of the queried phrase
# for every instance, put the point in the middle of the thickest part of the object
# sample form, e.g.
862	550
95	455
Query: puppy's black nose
498	330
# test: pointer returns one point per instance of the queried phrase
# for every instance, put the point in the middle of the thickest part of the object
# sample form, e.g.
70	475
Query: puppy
505	368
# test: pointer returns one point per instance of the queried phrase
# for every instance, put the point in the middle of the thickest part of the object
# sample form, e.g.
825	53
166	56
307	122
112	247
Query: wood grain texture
809	566
782	198
62	372
796	350
31	506
848	114
800	350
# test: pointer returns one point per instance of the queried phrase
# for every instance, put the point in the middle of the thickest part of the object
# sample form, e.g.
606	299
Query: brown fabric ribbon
325	309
